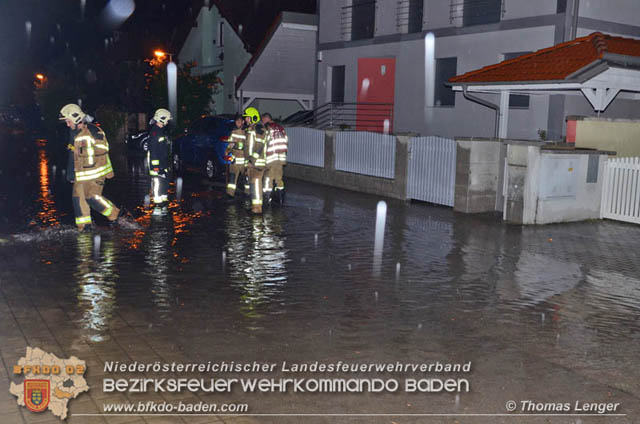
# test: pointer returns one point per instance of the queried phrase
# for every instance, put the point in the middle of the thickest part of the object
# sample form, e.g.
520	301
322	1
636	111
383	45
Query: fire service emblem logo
36	394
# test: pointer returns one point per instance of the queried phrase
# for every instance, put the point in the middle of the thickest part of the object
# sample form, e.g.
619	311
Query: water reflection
157	258
48	214
539	277
257	258
96	278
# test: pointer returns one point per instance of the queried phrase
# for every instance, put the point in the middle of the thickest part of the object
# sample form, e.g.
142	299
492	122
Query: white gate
432	170
621	190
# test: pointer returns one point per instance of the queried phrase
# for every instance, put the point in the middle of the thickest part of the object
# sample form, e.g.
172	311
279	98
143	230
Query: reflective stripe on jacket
90	154
277	144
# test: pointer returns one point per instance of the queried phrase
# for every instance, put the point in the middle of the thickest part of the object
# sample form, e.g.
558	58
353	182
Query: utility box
546	184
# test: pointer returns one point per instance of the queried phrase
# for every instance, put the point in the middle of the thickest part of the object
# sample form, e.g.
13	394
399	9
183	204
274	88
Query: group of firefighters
257	151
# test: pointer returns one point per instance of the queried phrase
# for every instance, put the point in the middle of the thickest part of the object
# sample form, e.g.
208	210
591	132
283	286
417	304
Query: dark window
415	15
337	84
221	34
445	69
517	101
478	12
562	6
363	18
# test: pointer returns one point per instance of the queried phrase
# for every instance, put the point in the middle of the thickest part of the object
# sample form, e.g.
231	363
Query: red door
376	86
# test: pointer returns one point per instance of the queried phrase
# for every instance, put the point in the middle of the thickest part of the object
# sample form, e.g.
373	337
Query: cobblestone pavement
548	313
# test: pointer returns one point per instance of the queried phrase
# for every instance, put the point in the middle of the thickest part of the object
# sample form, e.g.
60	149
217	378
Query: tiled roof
554	63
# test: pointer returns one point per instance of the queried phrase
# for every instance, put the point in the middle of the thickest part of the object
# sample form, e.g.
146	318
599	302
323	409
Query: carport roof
573	61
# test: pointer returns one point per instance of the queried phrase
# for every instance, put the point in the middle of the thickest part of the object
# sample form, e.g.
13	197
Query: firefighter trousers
87	195
159	186
234	177
273	179
255	180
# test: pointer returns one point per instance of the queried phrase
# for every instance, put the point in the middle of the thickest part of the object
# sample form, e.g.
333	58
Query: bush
112	122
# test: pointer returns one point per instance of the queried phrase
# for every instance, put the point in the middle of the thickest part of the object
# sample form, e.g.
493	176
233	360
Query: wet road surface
547	314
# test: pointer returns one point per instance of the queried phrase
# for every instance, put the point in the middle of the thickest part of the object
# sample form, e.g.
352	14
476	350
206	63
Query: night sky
58	27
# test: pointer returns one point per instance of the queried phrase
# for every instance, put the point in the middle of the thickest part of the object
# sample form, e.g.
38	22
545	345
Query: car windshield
196	127
210	125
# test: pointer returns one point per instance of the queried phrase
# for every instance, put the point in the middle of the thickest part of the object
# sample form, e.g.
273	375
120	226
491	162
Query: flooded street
549	314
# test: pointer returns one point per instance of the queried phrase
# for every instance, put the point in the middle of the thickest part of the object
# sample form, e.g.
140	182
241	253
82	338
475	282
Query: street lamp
40	78
160	54
172	83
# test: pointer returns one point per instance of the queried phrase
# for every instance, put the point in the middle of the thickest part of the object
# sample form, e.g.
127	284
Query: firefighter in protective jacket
158	156
254	152
235	149
276	158
91	166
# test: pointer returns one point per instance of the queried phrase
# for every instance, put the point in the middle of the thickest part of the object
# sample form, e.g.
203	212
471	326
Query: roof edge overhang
580	76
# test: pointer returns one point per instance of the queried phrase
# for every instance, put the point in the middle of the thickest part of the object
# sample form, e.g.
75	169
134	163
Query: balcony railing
374	117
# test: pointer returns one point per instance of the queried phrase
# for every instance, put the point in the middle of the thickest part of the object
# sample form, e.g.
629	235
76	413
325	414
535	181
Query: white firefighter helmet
72	112
163	116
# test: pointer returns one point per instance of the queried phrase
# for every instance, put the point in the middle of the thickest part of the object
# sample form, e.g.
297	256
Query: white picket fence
621	190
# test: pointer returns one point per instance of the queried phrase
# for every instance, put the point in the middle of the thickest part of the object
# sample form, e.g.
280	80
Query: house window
517	101
363	18
562	6
337	84
221	34
445	68
415	15
478	12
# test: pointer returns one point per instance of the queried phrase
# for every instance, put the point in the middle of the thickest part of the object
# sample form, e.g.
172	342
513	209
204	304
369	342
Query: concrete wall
618	11
546	186
619	135
329	21
395	188
477	175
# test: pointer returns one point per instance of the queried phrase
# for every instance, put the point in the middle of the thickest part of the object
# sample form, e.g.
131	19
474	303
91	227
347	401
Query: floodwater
549	314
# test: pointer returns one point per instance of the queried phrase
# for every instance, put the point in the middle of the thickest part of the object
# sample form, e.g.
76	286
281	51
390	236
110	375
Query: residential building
378	51
214	45
280	77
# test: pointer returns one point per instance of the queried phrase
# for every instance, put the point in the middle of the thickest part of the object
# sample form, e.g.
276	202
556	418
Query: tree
194	91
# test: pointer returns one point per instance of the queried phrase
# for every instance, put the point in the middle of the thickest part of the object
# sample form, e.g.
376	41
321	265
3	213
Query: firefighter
91	166
235	149
254	152
276	158
158	158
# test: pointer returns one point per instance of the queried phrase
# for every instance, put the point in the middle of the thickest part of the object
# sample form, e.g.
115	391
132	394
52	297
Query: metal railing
374	117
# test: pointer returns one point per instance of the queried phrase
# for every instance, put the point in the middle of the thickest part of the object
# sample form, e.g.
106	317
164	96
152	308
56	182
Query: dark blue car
202	148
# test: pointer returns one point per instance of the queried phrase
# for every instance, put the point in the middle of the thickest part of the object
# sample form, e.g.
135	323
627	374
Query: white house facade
214	45
379	51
